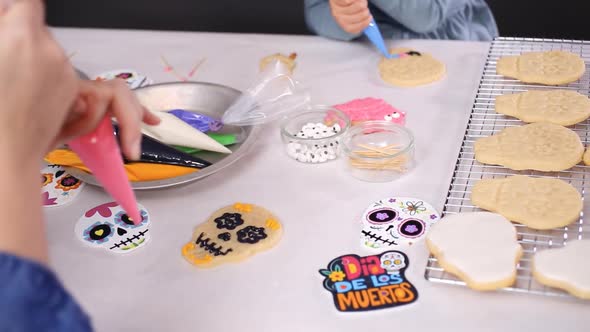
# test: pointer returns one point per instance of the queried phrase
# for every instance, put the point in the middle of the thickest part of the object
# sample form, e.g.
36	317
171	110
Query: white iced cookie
172	130
566	268
410	68
538	146
478	247
562	107
539	203
550	67
233	234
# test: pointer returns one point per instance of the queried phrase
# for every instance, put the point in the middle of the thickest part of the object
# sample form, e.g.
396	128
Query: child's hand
352	16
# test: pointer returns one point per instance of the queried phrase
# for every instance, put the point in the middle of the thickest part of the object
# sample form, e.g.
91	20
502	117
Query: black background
516	18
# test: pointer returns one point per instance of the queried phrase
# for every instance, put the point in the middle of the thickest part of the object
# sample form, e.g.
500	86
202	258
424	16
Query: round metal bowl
205	98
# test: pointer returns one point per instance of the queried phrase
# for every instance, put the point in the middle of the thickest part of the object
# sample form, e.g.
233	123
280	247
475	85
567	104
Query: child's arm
319	19
420	16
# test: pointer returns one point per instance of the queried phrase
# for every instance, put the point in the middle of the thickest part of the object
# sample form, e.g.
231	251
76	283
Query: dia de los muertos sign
369	283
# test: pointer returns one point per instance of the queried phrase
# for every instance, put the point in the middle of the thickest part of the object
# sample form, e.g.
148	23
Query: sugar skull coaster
369	283
232	234
133	79
396	221
58	187
409	68
107	226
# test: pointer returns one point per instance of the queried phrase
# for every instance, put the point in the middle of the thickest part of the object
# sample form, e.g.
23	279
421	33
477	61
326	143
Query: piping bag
100	152
374	34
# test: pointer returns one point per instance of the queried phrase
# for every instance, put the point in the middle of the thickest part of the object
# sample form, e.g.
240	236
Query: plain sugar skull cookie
480	248
232	234
562	107
540	146
108	227
550	67
539	203
408	68
566	268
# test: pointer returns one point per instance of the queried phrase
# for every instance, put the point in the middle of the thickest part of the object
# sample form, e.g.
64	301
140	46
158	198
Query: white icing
482	245
568	264
171	130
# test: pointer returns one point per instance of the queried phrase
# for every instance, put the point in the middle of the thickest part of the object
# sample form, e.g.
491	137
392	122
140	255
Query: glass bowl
378	151
313	136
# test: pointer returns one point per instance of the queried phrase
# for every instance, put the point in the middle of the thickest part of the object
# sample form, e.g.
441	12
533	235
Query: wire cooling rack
484	121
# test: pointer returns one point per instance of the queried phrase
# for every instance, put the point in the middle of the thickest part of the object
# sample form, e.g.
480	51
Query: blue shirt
413	19
33	299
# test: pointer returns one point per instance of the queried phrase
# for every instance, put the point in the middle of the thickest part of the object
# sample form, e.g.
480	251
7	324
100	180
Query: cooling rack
484	121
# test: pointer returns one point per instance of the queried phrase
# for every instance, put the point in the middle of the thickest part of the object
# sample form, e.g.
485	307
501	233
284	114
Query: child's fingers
353	8
129	113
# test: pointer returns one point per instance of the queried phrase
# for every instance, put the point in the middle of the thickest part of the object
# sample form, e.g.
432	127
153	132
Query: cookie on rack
232	234
562	107
408	68
479	248
549	67
540	146
565	268
539	203
586	157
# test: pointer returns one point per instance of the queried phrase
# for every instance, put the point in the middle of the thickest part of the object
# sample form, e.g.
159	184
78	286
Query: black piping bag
154	151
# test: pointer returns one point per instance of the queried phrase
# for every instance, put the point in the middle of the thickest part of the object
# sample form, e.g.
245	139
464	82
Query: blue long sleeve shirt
413	19
32	299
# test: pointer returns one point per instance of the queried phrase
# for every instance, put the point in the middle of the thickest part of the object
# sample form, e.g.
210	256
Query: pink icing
371	109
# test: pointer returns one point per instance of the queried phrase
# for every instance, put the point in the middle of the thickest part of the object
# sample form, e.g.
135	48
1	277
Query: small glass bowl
314	150
378	151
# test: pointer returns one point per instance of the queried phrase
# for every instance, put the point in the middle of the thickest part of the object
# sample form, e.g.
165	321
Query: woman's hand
352	16
108	98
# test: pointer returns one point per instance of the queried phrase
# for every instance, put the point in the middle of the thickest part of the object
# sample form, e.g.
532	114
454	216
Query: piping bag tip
374	35
101	154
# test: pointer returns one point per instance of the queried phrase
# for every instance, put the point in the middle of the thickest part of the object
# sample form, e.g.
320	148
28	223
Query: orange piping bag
100	152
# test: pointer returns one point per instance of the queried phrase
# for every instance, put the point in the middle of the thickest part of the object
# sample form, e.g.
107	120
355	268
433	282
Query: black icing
411	228
59	173
413	53
226	236
106	232
210	247
251	234
382	215
374	237
121	231
229	221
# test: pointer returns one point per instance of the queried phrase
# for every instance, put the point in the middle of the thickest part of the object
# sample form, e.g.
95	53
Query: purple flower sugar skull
396	221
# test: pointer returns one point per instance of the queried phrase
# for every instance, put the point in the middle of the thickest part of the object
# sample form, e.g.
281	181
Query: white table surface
155	289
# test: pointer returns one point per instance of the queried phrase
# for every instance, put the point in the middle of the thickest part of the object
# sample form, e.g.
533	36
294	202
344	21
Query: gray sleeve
420	16
320	21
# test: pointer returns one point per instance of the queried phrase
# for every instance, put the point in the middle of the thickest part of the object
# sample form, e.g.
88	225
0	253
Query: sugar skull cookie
409	68
232	234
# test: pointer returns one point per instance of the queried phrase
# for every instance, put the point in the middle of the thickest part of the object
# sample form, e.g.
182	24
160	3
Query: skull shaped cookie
232	234
108	226
396	221
58	187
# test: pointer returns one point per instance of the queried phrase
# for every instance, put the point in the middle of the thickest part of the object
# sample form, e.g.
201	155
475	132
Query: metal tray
484	121
205	98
